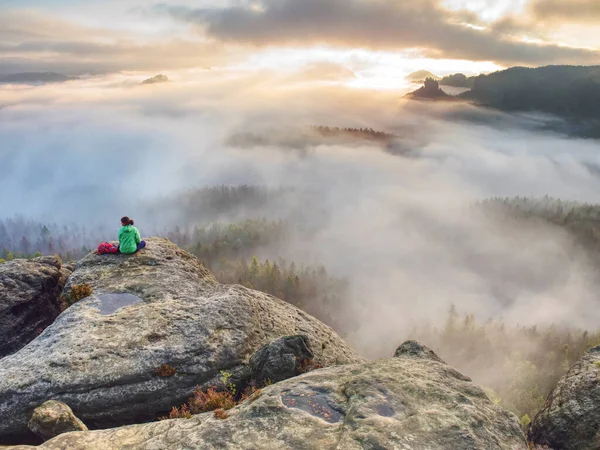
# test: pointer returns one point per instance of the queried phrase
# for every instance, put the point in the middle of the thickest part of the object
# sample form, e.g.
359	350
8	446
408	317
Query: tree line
362	133
518	365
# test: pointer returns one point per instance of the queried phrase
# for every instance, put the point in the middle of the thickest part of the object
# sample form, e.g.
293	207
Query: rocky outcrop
54	418
406	402
158	307
29	291
430	91
570	417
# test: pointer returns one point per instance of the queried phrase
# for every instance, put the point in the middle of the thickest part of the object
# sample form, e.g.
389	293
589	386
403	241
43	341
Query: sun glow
360	68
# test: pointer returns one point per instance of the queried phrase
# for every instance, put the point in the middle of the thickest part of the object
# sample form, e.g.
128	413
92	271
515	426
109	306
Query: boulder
29	291
396	403
157	309
414	349
570	417
281	359
54	418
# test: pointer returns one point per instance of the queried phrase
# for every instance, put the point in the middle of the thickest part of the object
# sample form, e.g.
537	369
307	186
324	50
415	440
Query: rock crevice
29	299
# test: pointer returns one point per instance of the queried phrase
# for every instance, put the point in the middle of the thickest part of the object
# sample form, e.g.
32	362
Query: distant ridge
565	91
36	77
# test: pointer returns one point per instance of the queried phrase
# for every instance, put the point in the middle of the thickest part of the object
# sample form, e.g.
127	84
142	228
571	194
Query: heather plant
215	400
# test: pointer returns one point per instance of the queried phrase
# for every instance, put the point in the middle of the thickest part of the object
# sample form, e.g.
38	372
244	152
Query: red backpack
106	248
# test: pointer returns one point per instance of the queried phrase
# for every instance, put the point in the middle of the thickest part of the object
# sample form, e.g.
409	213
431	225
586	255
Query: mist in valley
396	219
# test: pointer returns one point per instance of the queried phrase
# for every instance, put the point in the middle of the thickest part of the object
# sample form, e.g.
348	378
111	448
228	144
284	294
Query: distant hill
429	91
35	77
421	75
571	92
459	80
156	79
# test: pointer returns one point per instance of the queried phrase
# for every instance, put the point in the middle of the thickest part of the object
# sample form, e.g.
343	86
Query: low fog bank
394	218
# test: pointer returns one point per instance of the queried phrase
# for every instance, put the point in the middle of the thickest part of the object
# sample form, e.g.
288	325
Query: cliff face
159	306
412	401
29	292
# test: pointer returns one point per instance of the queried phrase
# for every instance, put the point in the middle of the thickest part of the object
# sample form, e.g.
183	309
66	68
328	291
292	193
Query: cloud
586	11
380	24
33	41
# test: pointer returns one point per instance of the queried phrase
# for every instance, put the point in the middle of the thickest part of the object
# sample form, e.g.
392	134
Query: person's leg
141	245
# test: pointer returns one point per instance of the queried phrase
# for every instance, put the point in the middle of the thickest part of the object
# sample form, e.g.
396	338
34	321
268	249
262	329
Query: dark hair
126	221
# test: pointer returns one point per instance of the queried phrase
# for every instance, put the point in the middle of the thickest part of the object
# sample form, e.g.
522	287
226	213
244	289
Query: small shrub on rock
204	401
78	292
165	371
179	413
213	400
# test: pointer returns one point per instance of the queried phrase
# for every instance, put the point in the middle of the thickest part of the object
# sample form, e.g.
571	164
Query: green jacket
129	238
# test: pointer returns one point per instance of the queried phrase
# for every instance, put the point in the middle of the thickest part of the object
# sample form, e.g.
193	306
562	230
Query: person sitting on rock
130	240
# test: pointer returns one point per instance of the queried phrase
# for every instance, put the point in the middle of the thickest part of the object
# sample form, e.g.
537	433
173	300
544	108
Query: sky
379	41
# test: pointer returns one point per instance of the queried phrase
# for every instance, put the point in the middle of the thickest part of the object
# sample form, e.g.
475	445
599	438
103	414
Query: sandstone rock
398	403
29	291
54	418
280	360
159	306
570	418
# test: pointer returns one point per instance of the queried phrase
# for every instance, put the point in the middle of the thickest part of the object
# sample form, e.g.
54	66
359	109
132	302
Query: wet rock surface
29	292
397	403
101	355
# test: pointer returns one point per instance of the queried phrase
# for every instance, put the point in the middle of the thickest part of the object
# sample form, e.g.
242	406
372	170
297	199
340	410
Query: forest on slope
518	364
570	92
